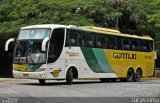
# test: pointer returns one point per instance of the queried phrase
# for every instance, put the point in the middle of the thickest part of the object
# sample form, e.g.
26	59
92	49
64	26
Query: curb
151	78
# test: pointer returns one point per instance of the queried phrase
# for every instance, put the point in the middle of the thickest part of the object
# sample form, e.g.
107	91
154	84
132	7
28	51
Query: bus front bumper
29	75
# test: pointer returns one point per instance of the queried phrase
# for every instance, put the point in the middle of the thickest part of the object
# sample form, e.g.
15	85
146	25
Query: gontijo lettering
117	55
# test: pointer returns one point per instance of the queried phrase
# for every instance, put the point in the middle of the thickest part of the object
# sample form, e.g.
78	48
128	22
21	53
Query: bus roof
45	26
88	28
114	32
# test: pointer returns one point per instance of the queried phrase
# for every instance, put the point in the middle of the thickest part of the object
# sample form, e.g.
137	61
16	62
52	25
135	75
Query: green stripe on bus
91	59
102	60
96	60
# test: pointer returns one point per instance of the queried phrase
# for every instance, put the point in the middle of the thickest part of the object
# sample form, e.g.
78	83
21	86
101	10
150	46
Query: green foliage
129	16
154	21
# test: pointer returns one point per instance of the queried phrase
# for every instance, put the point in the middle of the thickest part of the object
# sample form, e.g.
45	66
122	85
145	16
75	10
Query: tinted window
73	38
119	43
87	39
112	42
101	41
146	45
135	45
149	45
126	44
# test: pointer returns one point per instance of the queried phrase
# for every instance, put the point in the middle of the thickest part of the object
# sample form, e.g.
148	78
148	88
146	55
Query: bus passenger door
56	62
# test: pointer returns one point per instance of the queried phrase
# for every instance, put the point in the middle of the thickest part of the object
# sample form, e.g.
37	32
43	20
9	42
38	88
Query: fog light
42	75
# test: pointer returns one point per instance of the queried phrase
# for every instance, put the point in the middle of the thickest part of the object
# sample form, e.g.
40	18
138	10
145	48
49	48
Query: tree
128	16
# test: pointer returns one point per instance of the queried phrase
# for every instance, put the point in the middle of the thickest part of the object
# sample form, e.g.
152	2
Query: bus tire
69	77
130	75
42	81
105	79
138	75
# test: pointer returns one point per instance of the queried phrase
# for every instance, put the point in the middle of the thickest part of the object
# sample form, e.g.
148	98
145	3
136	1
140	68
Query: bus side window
72	42
149	47
83	39
72	38
134	45
143	46
119	43
112	42
100	41
89	43
87	39
126	44
106	41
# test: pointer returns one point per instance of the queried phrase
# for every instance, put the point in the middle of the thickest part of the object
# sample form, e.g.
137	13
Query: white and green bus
60	52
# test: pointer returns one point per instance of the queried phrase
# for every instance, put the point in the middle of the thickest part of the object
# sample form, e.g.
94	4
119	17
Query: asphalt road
82	91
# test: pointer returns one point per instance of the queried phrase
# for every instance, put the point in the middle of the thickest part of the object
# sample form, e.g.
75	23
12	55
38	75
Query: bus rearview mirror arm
44	42
8	42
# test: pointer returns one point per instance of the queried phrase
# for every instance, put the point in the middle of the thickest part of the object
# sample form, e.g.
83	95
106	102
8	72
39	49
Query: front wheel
42	81
69	77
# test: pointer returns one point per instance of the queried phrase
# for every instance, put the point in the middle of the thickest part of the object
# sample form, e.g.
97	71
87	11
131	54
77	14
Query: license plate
25	75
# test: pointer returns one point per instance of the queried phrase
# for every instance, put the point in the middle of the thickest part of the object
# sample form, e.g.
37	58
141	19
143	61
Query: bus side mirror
8	42
44	42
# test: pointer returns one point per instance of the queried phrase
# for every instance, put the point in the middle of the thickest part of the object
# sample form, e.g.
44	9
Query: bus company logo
71	54
55	73
117	55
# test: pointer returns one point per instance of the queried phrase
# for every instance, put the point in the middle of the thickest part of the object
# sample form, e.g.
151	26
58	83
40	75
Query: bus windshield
28	46
34	33
29	51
